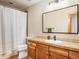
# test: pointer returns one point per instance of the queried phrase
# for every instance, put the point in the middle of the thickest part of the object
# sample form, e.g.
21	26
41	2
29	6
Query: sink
53	41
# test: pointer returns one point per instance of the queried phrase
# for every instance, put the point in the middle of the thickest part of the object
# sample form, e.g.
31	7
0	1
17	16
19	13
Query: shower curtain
12	29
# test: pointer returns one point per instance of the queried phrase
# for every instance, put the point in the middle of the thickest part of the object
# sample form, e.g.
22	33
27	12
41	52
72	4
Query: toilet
22	51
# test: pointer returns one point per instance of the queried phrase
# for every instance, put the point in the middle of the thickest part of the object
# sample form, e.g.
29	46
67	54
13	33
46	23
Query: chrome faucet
48	37
54	37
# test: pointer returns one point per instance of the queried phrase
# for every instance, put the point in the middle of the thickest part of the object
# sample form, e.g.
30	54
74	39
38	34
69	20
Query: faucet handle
54	37
48	37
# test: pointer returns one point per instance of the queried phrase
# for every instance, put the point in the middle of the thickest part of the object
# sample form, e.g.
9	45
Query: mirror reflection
61	21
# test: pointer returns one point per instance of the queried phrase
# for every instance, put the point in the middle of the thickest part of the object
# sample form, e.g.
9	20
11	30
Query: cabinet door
58	53
31	51
42	52
73	55
56	56
42	55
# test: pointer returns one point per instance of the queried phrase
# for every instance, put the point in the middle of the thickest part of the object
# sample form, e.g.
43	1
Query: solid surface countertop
58	43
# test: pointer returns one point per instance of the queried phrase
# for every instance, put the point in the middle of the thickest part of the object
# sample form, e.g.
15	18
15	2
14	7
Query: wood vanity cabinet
42	51
31	50
73	55
57	53
38	50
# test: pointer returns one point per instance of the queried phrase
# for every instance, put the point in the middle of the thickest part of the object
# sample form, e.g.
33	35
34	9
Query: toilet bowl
22	51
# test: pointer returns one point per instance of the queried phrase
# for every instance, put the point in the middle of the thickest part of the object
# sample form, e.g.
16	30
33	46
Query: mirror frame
62	9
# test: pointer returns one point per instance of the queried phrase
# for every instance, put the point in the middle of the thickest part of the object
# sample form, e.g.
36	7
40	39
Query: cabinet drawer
32	43
31	52
42	51
56	56
42	47
73	55
59	51
32	47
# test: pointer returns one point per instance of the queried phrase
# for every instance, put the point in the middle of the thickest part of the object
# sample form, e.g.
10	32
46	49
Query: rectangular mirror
63	20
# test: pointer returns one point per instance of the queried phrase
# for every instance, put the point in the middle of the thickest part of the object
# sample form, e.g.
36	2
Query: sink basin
53	41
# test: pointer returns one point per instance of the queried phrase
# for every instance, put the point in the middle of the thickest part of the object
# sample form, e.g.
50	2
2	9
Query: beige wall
35	18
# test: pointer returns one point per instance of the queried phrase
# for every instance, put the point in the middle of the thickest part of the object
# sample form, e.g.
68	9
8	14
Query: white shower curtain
1	50
12	29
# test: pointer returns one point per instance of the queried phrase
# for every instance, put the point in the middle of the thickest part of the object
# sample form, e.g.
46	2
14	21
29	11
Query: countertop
58	43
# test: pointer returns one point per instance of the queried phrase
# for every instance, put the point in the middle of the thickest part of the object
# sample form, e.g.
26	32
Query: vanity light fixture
54	1
55	4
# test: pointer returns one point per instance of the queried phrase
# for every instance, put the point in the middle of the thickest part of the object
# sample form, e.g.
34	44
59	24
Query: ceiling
19	4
